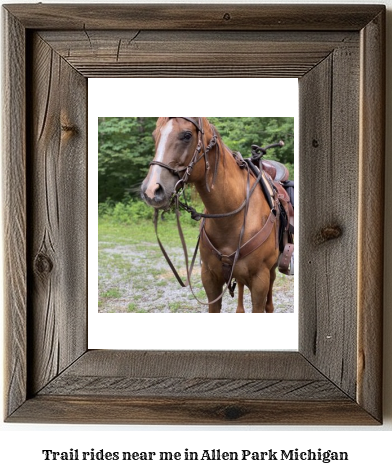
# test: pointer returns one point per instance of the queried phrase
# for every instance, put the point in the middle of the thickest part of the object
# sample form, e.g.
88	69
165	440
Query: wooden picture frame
337	52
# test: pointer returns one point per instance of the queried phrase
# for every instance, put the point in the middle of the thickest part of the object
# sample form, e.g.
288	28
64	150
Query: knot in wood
232	412
43	264
68	128
328	233
227	16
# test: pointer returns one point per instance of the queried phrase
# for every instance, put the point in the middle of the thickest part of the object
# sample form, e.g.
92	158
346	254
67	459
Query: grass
142	233
135	278
113	293
133	274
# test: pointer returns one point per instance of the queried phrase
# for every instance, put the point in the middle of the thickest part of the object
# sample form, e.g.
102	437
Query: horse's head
176	142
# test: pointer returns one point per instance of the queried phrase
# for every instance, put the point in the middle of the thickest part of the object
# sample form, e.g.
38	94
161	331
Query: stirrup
286	260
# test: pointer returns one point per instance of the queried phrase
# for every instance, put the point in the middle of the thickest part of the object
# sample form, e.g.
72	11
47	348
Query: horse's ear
209	126
205	123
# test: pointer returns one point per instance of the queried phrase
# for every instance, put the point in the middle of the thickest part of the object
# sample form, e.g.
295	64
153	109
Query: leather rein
242	250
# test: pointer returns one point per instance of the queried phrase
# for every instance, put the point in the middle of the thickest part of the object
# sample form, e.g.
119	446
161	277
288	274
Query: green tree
240	133
126	147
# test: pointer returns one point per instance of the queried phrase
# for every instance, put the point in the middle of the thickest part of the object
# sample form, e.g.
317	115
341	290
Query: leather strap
285	259
184	247
257	240
175	171
199	126
247	248
189	270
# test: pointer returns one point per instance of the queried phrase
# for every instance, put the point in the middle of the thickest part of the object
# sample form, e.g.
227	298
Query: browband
198	126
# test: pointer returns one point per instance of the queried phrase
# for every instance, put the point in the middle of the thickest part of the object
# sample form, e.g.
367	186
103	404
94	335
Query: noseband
200	151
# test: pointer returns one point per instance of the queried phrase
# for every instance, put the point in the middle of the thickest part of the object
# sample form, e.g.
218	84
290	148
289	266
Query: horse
239	229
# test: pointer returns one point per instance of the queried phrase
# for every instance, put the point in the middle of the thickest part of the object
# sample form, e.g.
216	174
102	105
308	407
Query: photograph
196	214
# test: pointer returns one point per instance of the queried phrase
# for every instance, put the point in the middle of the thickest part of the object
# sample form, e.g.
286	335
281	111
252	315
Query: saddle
275	184
285	194
276	170
278	191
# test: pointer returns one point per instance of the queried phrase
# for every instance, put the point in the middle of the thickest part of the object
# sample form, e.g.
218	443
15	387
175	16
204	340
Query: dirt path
137	279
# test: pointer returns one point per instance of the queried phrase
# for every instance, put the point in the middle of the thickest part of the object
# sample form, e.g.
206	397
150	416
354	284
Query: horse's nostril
159	193
152	192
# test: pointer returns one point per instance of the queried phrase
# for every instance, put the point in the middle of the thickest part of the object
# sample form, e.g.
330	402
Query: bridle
202	151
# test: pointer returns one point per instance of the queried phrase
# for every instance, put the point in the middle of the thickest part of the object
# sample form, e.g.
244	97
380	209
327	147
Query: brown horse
242	242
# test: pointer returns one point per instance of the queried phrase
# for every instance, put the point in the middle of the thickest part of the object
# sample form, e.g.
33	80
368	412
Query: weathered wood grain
57	215
206	374
154	411
184	71
208	364
371	216
191	17
329	137
14	212
188	387
193	387
194	53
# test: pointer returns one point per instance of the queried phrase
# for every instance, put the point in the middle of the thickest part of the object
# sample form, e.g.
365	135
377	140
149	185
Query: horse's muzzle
154	196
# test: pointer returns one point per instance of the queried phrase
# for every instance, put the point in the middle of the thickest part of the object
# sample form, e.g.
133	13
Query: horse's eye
187	136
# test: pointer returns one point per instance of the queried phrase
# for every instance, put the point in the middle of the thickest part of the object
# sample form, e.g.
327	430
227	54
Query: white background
368	447
127	97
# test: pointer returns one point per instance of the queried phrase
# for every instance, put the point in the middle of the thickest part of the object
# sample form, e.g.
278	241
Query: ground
134	277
